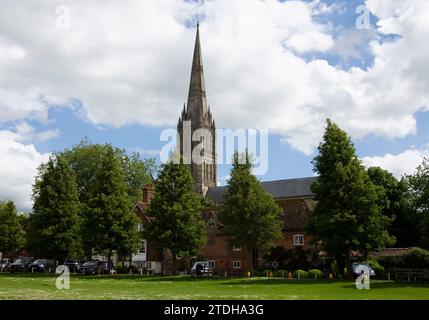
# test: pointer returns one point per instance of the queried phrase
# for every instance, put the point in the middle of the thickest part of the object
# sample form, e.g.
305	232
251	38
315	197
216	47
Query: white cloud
129	62
400	164
18	168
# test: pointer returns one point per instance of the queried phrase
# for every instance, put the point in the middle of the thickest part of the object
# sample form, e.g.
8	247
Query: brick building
294	196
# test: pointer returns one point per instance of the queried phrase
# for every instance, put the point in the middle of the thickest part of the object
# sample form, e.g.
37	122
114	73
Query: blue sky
285	66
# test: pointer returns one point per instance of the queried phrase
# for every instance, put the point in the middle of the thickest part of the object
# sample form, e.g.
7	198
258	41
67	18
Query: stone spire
197	102
198	116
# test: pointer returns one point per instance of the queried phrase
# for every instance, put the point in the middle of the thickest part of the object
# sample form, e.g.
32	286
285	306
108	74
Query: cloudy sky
118	72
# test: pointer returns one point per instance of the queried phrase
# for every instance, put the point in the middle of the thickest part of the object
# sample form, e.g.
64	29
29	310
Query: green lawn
135	287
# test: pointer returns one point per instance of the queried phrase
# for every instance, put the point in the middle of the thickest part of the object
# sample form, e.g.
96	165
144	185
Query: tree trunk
109	258
254	258
174	263
339	258
348	263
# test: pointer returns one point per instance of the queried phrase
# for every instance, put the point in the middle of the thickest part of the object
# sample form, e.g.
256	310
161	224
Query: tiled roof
289	188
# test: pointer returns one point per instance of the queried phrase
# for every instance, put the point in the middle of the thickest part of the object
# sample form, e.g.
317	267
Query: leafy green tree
55	221
110	224
86	160
396	203
419	188
250	215
11	232
347	215
178	224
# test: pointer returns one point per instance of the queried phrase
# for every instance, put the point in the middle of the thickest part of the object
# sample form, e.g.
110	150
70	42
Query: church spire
197	103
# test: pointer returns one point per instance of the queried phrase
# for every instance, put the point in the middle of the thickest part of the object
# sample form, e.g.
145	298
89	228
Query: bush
314	274
126	270
281	273
378	269
334	267
300	274
416	258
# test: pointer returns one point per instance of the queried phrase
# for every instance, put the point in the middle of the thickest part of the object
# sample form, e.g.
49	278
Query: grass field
136	287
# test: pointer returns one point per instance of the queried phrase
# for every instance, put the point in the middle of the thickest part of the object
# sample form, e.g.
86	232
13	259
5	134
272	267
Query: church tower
197	124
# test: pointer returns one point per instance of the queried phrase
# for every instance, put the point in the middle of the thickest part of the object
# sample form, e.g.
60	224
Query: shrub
281	273
267	272
334	267
416	258
300	274
314	274
378	268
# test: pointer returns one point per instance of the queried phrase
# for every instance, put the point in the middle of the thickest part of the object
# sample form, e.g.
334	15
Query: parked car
201	269
359	268
4	264
96	267
20	265
42	265
74	265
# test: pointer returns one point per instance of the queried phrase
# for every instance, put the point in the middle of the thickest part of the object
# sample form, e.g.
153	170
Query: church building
294	196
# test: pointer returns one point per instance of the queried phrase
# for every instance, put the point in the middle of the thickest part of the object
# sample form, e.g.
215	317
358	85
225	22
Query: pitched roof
288	188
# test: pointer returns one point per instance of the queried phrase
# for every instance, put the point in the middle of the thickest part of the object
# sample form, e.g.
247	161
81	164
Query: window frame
296	240
236	264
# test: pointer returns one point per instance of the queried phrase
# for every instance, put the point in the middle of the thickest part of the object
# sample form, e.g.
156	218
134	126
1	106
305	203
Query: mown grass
36	286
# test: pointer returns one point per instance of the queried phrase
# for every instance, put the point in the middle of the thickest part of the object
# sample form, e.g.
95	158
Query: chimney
148	193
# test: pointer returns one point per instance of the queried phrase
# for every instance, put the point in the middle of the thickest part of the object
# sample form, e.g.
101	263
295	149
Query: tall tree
11	232
250	215
178	224
396	203
86	160
419	188
55	222
347	215
110	224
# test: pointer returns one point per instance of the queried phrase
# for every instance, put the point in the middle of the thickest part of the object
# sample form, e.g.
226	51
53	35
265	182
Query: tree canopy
348	214
55	222
11	231
250	215
177	225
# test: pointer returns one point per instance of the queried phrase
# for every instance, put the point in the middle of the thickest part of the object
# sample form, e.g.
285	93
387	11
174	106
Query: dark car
20	265
96	267
42	265
201	269
74	265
